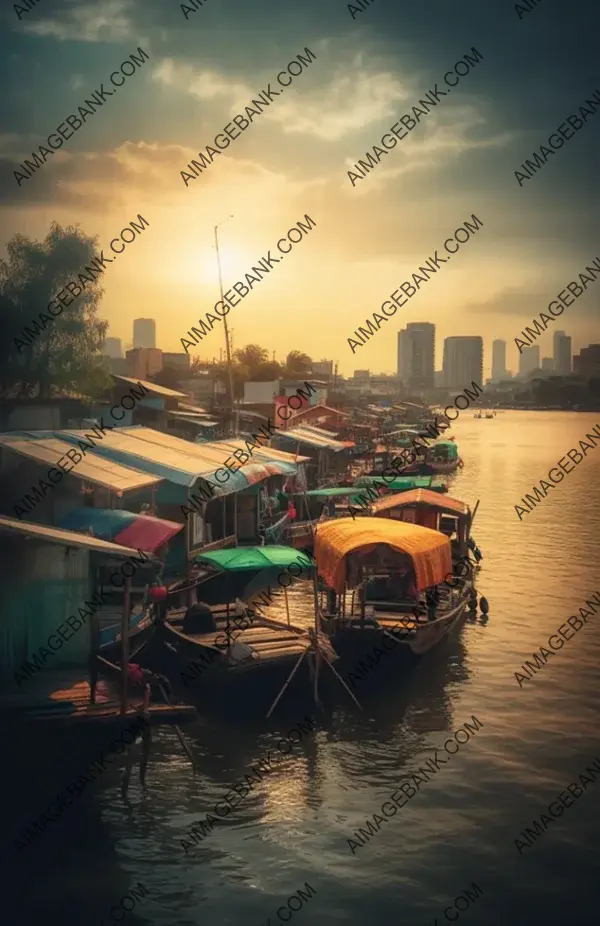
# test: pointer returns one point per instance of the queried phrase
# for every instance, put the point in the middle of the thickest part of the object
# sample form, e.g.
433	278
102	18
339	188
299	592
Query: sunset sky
293	160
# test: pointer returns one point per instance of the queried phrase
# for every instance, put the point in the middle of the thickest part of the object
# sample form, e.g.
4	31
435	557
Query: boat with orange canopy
386	581
451	516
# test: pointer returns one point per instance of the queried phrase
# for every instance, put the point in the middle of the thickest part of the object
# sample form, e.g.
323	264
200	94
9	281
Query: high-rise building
463	361
562	353
548	364
587	361
498	360
144	332
529	360
112	348
416	355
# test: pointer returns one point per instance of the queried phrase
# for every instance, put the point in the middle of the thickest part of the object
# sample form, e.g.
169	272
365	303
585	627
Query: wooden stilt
341	680
291	675
180	736
125	643
287	604
317	655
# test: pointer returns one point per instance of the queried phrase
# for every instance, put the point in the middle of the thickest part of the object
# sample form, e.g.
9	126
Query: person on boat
198	619
291	510
331	507
324	512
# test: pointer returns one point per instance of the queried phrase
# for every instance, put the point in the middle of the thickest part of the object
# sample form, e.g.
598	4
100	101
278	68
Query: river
453	837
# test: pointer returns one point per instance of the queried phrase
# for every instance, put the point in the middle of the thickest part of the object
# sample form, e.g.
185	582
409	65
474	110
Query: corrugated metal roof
267	453
304	436
178	460
67	538
158	390
91	468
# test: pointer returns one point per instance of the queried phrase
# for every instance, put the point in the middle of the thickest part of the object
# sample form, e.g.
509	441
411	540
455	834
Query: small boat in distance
477	415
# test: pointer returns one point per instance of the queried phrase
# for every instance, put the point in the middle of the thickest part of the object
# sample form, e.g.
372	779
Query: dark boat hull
201	676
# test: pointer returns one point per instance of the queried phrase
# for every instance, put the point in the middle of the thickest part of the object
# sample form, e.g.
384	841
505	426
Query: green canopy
449	448
405	483
332	491
400	483
245	559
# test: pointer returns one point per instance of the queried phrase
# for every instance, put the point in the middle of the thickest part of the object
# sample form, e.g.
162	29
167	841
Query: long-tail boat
230	649
386	580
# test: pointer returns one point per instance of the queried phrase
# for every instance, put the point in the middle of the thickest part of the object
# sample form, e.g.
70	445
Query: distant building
463	361
144	332
548	364
116	365
112	347
587	362
203	388
143	362
562	353
529	360
416	355
361	374
498	360
323	368
180	362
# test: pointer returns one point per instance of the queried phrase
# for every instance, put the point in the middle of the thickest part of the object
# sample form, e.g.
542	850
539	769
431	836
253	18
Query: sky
370	68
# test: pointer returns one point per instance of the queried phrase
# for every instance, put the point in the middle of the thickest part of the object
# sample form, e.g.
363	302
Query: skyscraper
529	360
416	355
548	364
144	332
562	353
463	361
498	359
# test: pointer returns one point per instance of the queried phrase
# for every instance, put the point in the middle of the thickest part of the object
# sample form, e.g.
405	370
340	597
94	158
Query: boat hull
358	648
201	675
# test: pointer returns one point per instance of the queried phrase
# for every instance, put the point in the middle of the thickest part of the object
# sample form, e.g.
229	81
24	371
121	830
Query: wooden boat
409	559
450	516
440	459
232	649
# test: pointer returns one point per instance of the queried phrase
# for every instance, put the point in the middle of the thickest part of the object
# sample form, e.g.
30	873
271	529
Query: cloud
347	103
103	21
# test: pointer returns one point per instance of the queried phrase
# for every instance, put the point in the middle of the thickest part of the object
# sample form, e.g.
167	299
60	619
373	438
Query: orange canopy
424	497
429	550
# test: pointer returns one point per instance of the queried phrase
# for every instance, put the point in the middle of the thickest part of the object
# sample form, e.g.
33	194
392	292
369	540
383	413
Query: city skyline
293	160
416	354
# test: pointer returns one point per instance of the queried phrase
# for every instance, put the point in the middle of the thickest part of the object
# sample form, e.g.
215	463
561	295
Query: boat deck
62	698
267	642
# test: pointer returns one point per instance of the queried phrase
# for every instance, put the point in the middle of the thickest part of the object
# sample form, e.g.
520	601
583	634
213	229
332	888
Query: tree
251	356
297	363
61	352
268	371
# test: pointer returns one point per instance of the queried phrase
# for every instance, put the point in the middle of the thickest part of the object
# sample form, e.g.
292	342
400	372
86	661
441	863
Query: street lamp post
227	343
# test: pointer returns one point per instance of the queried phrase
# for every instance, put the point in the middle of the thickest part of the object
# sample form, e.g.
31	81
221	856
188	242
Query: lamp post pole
227	342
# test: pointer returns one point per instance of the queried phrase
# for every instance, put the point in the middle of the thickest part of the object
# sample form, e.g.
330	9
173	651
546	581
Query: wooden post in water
287	604
125	643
